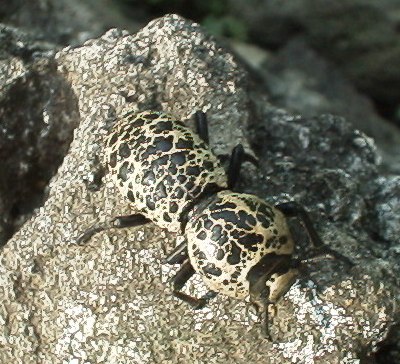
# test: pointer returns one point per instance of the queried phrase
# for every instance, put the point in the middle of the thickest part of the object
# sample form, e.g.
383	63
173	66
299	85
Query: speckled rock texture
110	301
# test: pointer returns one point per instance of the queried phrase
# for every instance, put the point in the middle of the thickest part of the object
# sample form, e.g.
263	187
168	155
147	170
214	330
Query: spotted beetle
240	245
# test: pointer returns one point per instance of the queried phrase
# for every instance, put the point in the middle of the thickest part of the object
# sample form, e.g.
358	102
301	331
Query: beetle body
231	235
239	244
171	175
161	166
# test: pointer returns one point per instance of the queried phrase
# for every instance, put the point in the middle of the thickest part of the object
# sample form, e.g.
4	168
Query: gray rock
360	36
110	301
387	207
65	22
299	80
37	116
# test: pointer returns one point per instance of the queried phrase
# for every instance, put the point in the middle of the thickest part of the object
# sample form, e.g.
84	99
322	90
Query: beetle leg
293	209
320	250
178	255
235	164
238	156
117	222
180	279
260	295
202	125
266	322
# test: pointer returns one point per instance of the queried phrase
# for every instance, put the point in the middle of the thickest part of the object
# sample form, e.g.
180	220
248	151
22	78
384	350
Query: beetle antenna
266	322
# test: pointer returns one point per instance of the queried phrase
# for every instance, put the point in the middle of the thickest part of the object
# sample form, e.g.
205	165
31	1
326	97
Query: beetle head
269	280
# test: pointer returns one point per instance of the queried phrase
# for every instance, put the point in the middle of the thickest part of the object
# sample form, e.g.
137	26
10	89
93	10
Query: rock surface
37	116
64	22
360	36
299	80
109	301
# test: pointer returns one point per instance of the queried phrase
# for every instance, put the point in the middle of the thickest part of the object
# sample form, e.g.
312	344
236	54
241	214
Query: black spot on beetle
184	144
234	256
264	221
150	150
113	160
123	172
138	122
168	180
266	210
179	193
201	235
228	205
135	134
209	166
160	161
173	207
172	170
152	116
139	141
235	275
149	178
200	255
124	151
220	254
253	205
130	196
250	240
212	270
228	216
150	203
193	171
189	185
216	232
182	178
166	217
249	219
163	144
113	139
178	158
160	191
208	223
243	221
165	125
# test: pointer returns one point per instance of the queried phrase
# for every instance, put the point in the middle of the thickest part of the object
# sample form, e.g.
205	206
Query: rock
65	22
37	118
110	299
360	37
298	79
387	209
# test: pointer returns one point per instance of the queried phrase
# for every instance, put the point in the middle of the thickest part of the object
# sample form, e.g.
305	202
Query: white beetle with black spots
239	244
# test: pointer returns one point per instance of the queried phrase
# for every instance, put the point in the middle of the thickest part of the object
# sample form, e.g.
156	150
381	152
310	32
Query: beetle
239	244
